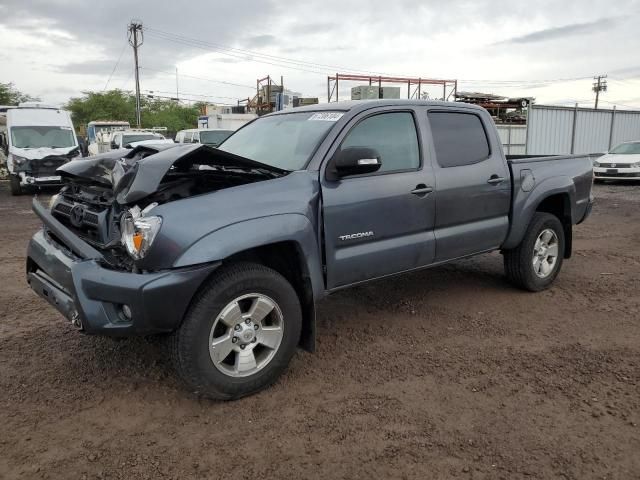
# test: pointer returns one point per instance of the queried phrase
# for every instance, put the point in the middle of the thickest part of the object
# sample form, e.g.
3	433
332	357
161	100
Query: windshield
283	141
627	149
214	137
38	137
138	138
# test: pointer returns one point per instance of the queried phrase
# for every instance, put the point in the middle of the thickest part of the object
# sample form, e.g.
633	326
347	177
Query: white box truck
38	139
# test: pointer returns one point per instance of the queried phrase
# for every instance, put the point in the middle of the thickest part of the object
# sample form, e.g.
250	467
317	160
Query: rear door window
459	138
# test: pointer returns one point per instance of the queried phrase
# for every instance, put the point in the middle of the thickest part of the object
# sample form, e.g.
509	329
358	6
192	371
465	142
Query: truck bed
566	178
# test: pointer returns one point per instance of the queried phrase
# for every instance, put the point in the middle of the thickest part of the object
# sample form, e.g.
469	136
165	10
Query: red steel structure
450	86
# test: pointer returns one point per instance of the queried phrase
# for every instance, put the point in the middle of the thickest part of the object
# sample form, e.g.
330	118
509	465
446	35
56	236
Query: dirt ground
445	373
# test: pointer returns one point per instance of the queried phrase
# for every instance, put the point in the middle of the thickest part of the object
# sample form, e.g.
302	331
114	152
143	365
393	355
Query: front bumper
75	281
625	173
27	180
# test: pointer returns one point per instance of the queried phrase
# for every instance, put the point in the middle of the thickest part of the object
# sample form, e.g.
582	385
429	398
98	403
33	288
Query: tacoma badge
353	236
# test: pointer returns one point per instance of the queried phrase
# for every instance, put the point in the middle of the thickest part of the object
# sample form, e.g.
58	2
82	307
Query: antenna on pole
136	39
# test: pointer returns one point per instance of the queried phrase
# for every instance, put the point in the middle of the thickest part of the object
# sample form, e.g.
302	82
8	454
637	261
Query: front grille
63	208
91	218
616	165
46	166
88	224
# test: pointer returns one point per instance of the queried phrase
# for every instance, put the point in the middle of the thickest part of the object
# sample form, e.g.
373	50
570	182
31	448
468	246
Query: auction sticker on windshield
327	116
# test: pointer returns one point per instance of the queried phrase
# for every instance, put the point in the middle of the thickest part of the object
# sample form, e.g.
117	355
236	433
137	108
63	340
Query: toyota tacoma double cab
229	250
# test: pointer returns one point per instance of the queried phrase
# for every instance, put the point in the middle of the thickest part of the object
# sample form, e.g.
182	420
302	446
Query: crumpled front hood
40	153
96	169
137	173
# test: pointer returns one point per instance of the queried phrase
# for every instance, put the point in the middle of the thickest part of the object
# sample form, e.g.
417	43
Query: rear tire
239	333
535	263
14	185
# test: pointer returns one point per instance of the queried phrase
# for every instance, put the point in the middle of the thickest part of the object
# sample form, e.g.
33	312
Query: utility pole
600	85
136	39
177	90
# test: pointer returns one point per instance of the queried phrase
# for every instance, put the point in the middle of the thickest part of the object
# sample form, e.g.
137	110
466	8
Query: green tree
9	95
107	106
121	105
170	114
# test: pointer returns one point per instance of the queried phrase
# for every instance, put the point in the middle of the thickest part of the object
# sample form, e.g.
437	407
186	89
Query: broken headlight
18	161
139	231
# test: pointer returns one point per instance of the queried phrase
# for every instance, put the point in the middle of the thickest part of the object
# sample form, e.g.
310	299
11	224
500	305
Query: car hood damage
173	172
43	153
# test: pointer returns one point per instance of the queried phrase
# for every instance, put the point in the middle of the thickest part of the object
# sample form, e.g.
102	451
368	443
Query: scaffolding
264	101
414	85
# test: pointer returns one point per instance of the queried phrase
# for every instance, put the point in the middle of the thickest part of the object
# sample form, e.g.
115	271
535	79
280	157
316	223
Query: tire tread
182	354
517	260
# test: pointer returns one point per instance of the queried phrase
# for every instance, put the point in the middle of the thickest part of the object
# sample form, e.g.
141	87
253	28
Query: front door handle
495	180
421	190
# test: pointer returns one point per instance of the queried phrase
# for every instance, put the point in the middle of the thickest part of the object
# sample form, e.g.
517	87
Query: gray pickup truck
229	249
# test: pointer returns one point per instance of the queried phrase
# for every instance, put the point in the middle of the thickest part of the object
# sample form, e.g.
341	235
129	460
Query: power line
115	67
635	107
551	80
302	65
124	84
257	56
200	78
153	92
238	56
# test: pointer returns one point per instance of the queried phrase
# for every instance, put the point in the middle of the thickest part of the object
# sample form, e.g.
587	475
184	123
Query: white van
99	134
207	136
125	138
38	140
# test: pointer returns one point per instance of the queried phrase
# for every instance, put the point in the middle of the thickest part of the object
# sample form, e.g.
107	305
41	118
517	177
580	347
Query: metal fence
513	138
554	130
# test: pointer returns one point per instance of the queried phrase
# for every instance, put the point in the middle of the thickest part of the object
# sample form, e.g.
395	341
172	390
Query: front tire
14	185
535	263
239	334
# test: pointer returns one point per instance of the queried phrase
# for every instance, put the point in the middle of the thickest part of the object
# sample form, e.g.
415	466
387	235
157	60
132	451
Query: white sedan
621	163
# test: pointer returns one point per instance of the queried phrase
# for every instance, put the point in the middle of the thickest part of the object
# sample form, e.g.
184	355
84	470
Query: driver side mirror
353	161
114	145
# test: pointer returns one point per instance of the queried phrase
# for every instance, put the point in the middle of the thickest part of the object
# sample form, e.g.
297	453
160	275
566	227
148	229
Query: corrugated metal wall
565	130
513	138
592	131
626	126
549	130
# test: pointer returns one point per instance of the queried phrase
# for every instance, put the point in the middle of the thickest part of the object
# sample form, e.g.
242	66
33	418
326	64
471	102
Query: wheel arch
556	196
287	258
559	205
284	243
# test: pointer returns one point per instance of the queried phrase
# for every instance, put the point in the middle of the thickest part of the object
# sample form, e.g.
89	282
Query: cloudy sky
545	49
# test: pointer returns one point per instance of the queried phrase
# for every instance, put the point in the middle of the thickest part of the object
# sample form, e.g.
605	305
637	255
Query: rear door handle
495	180
422	190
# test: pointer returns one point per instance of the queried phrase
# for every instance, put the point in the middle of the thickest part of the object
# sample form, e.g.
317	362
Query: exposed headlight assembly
139	230
17	161
596	163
